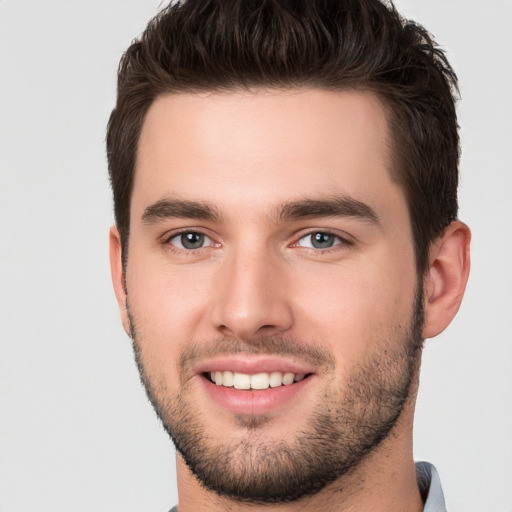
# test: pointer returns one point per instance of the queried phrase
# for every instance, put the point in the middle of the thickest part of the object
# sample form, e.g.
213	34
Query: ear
446	278
118	278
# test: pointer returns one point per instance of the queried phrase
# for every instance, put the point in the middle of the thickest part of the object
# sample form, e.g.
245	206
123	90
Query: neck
390	491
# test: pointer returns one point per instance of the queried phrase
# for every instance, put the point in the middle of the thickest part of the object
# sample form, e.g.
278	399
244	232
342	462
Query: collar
430	487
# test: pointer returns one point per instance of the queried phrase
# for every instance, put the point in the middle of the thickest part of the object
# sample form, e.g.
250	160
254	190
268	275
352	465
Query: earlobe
446	279
118	277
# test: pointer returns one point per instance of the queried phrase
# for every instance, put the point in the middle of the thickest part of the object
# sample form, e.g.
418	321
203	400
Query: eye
190	240
319	240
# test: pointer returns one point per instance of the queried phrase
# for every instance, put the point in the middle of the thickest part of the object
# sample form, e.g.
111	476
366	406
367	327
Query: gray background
76	432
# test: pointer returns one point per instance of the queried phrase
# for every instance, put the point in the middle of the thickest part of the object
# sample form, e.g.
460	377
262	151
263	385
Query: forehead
249	149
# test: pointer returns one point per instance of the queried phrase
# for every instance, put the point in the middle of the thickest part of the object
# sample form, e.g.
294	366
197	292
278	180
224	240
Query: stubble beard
345	427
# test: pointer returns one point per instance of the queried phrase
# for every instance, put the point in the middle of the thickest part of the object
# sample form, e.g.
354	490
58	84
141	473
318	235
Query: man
285	181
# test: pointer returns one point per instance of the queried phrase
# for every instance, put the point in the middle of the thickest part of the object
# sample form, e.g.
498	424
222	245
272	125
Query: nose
252	298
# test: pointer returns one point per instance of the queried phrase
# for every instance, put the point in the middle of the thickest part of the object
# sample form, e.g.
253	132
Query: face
271	285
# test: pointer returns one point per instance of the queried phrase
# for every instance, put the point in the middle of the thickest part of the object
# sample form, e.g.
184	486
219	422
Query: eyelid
168	237
343	239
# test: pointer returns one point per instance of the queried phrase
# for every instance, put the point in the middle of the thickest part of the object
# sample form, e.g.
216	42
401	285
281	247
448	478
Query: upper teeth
256	381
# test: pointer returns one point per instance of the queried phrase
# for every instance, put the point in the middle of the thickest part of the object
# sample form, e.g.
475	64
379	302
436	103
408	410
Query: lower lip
254	402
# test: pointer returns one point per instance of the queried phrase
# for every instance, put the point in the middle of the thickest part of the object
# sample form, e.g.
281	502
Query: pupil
322	240
192	240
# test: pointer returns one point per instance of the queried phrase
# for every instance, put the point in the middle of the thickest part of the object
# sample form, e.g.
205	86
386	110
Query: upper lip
253	364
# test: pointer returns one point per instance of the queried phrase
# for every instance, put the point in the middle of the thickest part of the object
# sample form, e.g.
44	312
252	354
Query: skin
246	154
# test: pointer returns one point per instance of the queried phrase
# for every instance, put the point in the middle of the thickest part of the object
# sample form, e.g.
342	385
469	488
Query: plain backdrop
76	431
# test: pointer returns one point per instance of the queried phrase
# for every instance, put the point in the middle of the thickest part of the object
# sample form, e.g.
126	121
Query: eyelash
341	241
338	244
167	241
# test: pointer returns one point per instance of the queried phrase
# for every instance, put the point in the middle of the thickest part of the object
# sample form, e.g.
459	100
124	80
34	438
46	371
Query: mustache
268	345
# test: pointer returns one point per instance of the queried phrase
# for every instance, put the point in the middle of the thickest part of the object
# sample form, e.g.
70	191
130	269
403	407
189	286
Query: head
284	179
196	46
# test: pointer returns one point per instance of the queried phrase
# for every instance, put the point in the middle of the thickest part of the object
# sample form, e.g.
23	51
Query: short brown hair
223	45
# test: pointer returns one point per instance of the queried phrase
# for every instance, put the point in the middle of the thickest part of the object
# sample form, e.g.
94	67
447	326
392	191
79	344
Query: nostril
249	316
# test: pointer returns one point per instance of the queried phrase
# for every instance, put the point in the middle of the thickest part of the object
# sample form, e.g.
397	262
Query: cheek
357	312
165	298
164	308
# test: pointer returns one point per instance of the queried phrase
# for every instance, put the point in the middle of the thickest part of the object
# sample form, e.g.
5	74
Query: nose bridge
252	298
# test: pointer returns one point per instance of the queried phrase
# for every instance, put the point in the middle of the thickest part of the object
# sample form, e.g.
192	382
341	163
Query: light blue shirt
430	487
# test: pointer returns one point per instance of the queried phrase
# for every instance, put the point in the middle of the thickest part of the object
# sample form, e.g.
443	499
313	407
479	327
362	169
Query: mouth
258	381
253	386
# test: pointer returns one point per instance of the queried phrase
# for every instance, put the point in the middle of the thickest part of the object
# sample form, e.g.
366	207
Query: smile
258	381
252	385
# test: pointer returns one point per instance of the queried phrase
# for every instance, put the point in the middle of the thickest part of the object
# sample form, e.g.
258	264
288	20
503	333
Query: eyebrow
335	206
178	208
